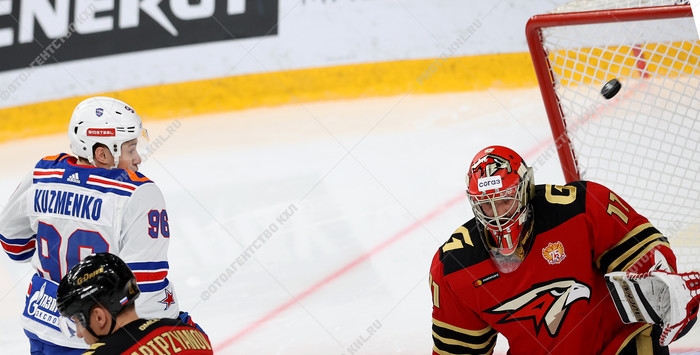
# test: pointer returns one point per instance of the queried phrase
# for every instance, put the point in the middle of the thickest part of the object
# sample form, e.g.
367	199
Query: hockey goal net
644	142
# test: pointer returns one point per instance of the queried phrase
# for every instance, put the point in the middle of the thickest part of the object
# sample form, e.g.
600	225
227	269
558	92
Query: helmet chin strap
111	328
116	153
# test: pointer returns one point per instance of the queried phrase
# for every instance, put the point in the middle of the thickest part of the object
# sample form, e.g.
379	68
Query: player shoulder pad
555	204
51	161
464	248
133	177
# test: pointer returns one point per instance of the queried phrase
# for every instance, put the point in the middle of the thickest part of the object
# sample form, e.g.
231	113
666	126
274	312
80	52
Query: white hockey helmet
103	120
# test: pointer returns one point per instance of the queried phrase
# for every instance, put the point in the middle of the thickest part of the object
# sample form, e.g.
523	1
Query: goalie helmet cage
643	143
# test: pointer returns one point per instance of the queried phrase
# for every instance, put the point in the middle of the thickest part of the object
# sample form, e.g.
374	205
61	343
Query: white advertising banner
67	48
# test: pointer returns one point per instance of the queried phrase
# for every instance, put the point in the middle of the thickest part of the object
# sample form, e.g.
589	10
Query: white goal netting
644	142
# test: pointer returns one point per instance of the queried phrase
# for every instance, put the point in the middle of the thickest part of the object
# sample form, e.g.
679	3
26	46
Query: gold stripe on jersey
655	245
469	332
642	339
440	352
455	347
634	253
629	249
449	339
626	247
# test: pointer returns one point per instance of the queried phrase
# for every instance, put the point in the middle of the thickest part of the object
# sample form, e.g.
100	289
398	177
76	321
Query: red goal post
644	142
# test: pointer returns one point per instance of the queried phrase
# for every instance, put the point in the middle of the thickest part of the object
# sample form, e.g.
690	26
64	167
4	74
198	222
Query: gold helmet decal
89	276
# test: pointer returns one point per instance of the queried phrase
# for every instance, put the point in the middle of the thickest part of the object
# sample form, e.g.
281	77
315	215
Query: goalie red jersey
556	300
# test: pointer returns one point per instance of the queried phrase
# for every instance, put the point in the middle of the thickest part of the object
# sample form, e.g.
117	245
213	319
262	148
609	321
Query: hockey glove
657	297
185	318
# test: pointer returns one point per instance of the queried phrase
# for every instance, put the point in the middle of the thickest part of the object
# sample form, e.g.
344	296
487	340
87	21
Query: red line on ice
344	269
335	275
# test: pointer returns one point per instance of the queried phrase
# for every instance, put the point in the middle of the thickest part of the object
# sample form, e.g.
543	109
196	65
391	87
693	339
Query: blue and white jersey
64	211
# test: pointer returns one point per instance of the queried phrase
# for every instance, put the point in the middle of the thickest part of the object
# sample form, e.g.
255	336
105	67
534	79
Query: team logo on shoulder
545	304
554	253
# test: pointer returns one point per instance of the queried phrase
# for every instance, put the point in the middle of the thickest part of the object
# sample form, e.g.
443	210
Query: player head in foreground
532	264
98	294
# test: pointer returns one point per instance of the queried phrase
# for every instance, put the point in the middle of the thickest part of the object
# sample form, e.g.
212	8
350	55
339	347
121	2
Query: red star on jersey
168	300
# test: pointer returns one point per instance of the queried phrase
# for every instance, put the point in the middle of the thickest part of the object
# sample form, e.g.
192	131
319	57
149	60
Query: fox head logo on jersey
545	304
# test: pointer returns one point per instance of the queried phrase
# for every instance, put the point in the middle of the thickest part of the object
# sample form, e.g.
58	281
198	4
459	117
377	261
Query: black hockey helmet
102	279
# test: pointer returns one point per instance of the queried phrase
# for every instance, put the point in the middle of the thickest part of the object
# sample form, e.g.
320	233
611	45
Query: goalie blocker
658	297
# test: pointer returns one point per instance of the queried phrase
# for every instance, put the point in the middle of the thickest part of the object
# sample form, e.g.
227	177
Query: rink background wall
173	62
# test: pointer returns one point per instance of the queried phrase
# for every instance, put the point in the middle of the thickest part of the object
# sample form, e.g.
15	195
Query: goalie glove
656	297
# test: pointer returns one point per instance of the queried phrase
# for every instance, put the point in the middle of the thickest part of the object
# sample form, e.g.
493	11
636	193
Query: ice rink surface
310	228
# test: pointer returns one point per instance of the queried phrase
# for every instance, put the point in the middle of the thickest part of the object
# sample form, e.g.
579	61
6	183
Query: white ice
309	228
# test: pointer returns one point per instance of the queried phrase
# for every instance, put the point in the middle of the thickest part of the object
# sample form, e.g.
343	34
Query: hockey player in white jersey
69	207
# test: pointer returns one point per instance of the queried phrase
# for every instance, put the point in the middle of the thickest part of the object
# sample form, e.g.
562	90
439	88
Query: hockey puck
611	88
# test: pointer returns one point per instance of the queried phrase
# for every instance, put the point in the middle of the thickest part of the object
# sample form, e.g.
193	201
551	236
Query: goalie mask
500	186
103	120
